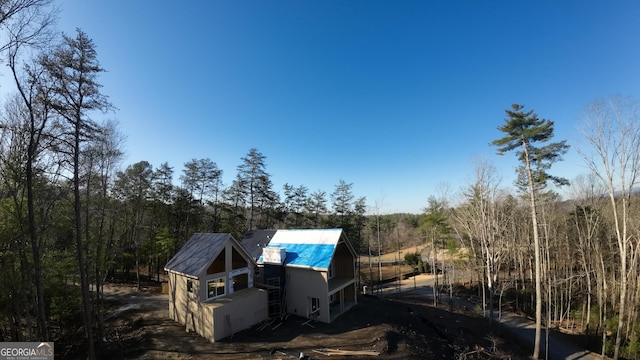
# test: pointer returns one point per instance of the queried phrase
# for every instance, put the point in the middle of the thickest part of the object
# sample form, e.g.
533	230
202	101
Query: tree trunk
536	245
35	249
82	263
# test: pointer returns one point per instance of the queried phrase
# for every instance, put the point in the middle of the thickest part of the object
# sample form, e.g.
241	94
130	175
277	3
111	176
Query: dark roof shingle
197	253
255	240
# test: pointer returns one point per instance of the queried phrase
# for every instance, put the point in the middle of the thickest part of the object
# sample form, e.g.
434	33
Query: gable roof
198	253
310	248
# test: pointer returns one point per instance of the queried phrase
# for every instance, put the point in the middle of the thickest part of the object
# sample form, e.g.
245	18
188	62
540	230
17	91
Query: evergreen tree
134	187
74	68
342	202
523	131
347	213
317	206
252	177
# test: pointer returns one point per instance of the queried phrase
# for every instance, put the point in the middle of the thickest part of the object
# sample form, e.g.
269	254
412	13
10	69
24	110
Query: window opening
215	288
240	282
315	307
332	270
217	266
237	260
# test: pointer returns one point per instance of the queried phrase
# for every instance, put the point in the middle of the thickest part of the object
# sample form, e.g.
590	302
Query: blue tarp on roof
317	256
310	248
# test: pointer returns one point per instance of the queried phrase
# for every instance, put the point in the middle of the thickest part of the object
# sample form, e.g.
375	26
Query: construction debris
337	352
266	324
274	351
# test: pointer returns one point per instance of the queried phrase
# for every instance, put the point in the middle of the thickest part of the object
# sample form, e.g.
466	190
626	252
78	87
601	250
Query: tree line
572	262
568	261
71	219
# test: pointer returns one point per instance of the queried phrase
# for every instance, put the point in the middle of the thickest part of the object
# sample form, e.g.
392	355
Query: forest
73	217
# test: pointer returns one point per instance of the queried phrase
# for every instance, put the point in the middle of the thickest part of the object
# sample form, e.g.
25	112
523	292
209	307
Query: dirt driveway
138	327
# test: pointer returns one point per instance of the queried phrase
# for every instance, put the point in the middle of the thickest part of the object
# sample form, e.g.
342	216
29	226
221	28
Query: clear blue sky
396	97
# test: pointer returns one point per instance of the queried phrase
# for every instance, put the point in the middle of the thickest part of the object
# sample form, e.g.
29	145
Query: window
240	282
314	310
218	265
237	260
215	288
190	286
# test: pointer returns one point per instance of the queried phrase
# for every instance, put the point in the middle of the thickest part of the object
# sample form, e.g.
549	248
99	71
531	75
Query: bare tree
587	219
482	220
28	24
101	158
611	128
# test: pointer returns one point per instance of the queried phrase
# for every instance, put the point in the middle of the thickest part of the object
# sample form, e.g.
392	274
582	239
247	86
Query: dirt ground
138	327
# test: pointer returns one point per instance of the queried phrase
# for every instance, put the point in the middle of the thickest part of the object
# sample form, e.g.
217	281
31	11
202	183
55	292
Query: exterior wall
227	275
185	308
218	318
180	301
344	262
249	307
345	267
302	286
225	315
350	294
199	318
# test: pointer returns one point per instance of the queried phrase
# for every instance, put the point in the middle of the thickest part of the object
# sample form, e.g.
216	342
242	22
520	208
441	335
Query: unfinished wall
218	318
344	262
180	298
304	285
246	308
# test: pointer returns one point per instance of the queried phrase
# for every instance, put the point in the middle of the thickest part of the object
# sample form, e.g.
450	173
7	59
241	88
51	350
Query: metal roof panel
197	253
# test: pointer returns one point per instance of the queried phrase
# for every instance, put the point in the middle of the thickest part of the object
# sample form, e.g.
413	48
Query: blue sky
396	97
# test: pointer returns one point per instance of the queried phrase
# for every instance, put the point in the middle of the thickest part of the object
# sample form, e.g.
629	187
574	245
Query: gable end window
215	288
190	286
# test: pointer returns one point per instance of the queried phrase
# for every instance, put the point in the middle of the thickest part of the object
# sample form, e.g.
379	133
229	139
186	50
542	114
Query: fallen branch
337	352
307	323
266	324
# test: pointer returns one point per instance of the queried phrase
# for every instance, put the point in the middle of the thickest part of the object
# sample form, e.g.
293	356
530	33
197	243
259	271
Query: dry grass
388	273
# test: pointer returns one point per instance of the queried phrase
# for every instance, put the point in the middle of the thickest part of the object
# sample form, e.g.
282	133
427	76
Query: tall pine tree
523	131
74	68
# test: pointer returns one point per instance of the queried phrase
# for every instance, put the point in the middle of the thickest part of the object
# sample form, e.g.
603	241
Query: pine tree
523	131
74	67
253	175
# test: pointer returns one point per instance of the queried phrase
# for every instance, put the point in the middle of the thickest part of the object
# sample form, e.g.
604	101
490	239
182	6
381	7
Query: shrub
412	258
